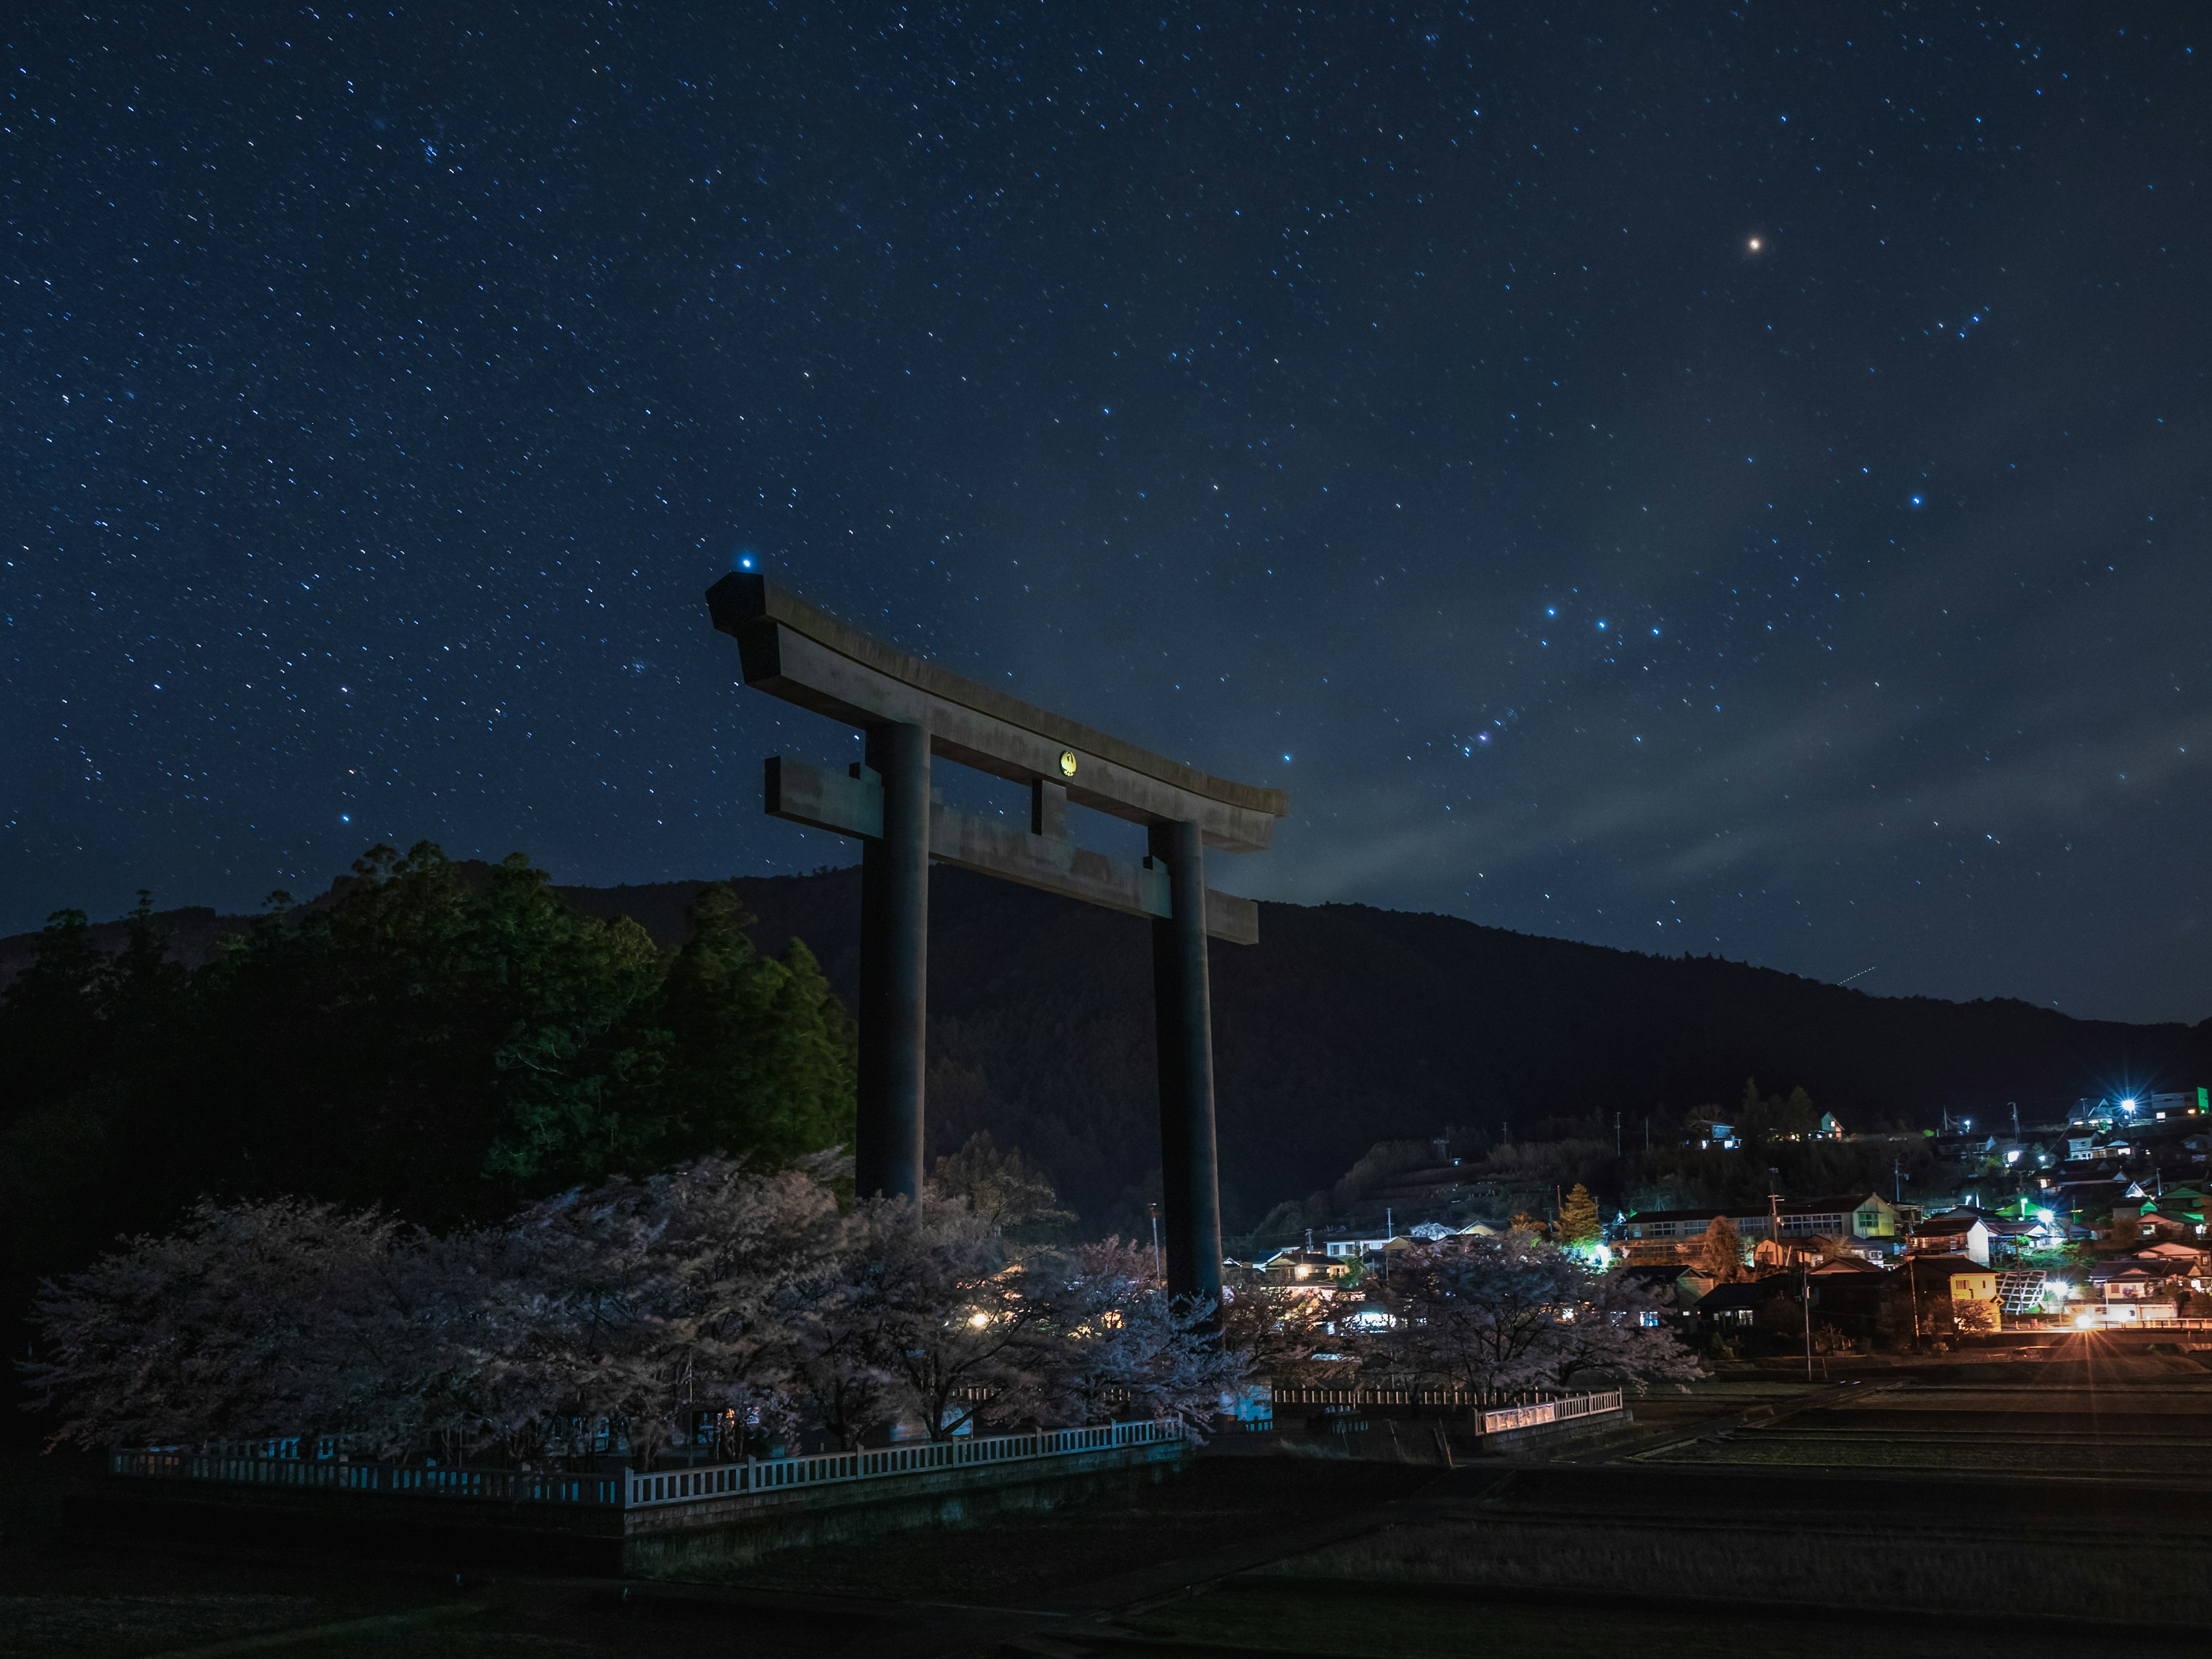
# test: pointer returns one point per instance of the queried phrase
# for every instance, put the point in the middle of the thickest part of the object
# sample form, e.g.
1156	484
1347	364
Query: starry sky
1713	479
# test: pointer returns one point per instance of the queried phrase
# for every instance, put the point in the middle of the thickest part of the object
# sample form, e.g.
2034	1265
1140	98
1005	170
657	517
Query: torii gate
909	710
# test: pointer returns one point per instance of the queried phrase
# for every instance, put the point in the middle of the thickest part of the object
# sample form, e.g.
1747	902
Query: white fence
503	1486
1361	1396
635	1489
665	1486
1550	1411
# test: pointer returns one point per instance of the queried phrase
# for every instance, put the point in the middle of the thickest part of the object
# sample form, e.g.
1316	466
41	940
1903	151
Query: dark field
1977	1509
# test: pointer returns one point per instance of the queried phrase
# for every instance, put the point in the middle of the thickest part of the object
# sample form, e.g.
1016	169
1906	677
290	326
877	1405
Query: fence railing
1361	1397
1501	1409
502	1485
635	1489
661	1487
2101	1321
1550	1411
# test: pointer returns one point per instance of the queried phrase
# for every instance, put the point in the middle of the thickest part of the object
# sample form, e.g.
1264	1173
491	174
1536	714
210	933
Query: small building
2129	1284
1944	1295
2179	1217
1847	1293
1961	1232
1349	1248
1669	1283
2010	1239
1729	1307
1297	1266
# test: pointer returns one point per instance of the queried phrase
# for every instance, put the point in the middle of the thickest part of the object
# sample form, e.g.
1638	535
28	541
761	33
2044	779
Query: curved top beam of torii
805	655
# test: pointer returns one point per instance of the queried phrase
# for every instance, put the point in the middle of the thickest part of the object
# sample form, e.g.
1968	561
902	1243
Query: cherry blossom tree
1123	1348
955	1328
640	1301
250	1320
1516	1312
747	1295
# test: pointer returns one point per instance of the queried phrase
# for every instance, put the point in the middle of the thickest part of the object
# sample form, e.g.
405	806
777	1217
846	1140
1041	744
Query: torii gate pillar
1182	1016
911	712
894	1012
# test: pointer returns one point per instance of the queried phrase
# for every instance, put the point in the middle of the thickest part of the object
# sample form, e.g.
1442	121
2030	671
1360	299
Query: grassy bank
2134	1581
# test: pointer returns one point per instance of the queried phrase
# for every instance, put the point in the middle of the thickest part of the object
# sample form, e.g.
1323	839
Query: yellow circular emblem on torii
1067	763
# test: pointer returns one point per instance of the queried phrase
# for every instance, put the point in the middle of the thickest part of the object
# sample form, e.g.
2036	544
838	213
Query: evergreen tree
1720	1258
1004	1190
1578	1217
762	1057
49	1016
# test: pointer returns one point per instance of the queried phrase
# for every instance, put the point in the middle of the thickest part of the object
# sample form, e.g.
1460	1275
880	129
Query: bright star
1755	245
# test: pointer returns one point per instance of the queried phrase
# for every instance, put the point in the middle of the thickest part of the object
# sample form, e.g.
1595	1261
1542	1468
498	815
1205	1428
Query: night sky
1714	480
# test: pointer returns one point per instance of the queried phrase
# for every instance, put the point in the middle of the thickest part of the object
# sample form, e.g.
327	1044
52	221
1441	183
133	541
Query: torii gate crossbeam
909	712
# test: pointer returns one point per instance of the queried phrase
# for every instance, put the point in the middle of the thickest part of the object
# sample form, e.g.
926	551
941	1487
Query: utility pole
1774	1221
1156	1240
1805	1300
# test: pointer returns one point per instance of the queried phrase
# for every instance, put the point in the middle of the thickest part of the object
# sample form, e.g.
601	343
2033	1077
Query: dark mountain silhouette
1346	1025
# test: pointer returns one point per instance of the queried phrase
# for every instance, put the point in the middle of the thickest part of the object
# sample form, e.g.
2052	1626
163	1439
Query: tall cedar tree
1578	1220
1720	1258
763	1058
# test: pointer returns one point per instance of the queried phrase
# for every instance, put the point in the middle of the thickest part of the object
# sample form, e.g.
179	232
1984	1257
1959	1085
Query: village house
1847	1293
2170	1274
2178	1217
1730	1307
1341	1248
1946	1294
1959	1232
1297	1268
2011	1238
2133	1291
1674	1287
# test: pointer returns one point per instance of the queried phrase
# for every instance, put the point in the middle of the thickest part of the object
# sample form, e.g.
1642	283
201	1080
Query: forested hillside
1346	1026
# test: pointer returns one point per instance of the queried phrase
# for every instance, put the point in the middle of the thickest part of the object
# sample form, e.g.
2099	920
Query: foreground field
1358	1621
1978	1510
1784	1556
